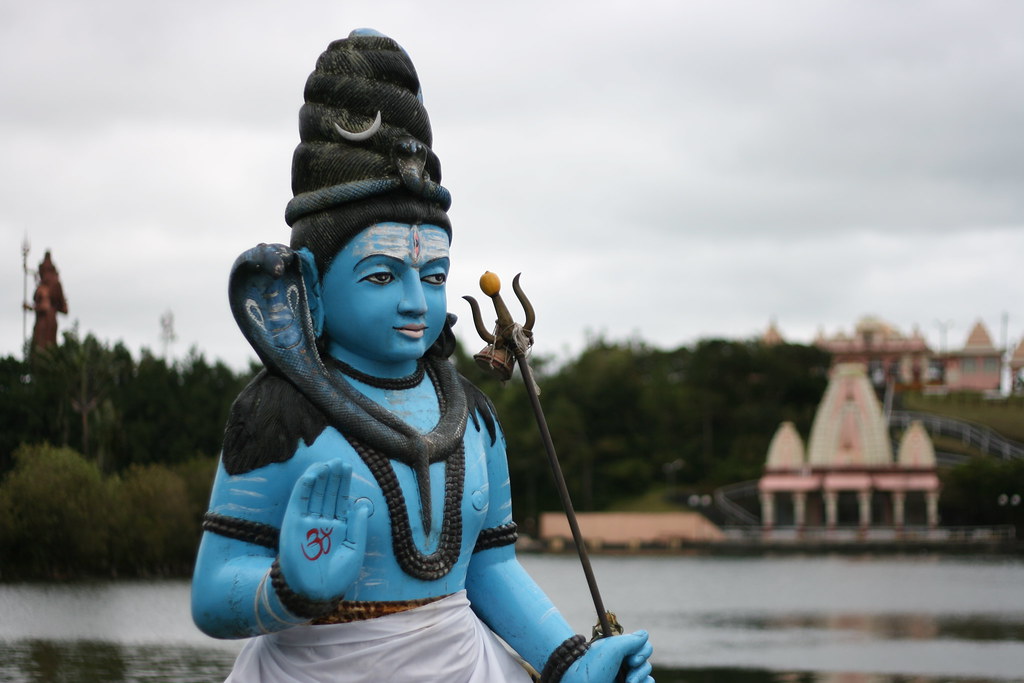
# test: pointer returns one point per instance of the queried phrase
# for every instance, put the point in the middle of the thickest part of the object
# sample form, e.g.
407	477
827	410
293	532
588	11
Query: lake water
809	619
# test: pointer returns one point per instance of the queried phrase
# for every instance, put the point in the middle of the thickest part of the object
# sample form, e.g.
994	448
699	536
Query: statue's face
384	297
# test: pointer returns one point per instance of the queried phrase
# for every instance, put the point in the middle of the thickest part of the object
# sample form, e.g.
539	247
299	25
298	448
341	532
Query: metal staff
506	346
25	306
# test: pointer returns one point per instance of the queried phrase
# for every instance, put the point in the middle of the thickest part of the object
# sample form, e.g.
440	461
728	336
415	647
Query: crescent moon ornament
364	135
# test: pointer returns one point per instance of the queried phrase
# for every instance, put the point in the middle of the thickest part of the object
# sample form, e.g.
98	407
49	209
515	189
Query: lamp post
943	325
1009	501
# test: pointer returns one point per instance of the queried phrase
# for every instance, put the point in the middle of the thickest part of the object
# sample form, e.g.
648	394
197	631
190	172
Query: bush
60	518
197	473
157	533
56	510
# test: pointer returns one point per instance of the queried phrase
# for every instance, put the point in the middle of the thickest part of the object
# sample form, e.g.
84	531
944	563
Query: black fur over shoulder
480	405
270	416
266	422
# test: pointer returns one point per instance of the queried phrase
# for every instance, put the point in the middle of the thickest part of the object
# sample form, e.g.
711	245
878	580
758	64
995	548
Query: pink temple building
977	366
883	350
887	354
847	475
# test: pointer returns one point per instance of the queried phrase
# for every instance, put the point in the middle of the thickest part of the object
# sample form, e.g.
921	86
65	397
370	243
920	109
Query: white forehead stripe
433	245
403	242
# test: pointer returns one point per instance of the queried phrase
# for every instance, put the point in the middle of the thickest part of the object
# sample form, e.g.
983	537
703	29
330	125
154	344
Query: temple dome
979	339
872	325
849	429
916	449
772	336
786	450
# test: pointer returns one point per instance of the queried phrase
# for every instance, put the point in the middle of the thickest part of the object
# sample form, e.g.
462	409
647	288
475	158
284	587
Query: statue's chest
425	519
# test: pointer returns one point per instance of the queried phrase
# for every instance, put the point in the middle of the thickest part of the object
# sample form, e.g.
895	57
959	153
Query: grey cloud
672	170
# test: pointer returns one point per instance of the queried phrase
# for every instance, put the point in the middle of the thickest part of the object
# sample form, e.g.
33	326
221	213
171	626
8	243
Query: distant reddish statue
47	303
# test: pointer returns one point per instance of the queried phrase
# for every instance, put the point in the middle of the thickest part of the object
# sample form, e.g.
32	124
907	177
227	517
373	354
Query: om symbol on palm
318	541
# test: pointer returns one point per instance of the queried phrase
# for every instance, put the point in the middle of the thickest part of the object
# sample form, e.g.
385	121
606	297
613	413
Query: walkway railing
734	512
986	440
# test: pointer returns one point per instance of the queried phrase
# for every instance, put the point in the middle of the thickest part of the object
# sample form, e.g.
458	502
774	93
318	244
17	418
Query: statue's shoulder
481	409
266	422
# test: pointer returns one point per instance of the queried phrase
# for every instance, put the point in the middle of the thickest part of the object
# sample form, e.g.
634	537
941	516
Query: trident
506	346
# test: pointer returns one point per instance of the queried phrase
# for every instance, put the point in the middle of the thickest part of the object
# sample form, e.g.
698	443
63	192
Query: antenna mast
167	334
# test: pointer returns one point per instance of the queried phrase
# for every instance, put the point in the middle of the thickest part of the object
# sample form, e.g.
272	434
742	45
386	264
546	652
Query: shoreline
760	548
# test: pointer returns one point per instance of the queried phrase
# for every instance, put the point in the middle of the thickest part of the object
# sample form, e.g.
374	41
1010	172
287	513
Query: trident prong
478	321
531	317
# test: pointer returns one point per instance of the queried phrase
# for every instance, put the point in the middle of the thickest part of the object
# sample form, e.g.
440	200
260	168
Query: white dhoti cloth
440	641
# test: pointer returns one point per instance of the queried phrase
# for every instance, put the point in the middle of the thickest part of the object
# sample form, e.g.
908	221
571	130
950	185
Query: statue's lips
413	331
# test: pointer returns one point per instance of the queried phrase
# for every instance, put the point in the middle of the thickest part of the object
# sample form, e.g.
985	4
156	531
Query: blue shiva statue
360	524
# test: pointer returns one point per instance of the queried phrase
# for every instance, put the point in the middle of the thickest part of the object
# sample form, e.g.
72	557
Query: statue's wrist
563	657
270	613
295	603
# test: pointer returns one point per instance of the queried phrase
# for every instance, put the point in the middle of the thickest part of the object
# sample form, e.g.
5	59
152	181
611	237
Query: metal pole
25	247
563	492
510	336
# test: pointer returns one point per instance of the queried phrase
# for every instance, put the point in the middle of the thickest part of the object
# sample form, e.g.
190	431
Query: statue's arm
510	602
502	593
232	594
232	590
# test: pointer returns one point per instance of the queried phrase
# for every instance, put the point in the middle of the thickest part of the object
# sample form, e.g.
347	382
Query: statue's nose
414	301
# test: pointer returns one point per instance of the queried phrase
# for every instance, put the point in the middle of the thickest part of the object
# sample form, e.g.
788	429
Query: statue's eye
381	278
435	279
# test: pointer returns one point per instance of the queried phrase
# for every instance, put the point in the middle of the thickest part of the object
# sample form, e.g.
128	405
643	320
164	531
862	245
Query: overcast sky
658	170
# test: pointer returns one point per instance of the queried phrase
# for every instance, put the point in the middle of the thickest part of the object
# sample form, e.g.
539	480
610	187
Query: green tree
207	392
23	411
78	373
981	492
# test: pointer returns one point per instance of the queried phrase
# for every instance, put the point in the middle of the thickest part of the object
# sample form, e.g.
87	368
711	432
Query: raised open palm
323	536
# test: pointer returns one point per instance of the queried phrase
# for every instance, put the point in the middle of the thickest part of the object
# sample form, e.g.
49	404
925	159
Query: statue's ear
311	278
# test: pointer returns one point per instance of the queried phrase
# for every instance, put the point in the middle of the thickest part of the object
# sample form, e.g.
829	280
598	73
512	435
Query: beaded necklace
413	561
391	383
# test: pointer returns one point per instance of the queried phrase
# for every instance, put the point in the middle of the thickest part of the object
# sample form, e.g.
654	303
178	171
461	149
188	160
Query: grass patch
654	500
1005	415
